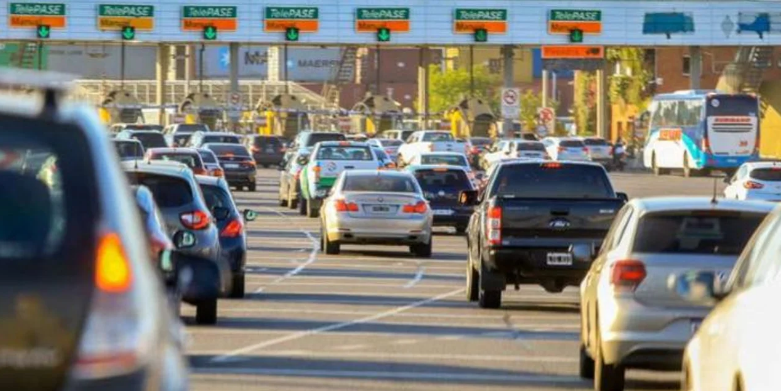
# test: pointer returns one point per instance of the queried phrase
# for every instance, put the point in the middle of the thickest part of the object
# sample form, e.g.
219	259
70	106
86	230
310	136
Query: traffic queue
665	284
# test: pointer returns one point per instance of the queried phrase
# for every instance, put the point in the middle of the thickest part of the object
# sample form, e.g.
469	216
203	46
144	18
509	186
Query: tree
451	86
628	87
584	104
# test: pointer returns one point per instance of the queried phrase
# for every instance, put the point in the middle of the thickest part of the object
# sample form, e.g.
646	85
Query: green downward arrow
43	31
291	34
383	34
210	33
128	33
576	36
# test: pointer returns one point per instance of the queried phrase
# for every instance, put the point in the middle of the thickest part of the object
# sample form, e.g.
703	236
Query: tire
422	250
283	201
206	312
237	287
488	299
292	203
328	247
252	186
311	211
302	205
586	367
472	280
607	377
687	171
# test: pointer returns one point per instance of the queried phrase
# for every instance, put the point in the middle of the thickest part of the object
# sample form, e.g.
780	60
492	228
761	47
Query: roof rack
53	85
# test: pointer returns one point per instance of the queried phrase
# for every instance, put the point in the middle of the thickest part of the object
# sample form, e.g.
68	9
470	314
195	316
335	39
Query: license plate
559	259
231	165
695	325
443	212
270	150
380	209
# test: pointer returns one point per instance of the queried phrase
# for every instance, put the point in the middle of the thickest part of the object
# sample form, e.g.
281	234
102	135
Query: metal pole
284	69
377	92
122	66
509	74
200	68
40	55
544	88
554	78
472	70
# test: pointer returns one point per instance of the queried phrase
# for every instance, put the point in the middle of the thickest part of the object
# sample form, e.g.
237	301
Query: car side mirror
622	196
704	287
220	213
184	239
302	160
583	252
467	197
250	215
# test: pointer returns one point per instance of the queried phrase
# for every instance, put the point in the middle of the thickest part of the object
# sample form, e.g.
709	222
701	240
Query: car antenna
714	200
135	146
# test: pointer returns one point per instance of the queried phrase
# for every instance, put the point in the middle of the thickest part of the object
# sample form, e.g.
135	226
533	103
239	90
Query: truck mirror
623	196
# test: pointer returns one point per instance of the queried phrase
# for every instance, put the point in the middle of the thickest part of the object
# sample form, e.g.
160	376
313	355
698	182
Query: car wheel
460	229
329	247
586	367
472	280
606	377
311	210
292	202
283	201
687	171
422	250
302	206
237	288
488	298
206	312
252	186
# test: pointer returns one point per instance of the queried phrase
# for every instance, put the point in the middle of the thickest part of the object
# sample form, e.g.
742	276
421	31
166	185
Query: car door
735	183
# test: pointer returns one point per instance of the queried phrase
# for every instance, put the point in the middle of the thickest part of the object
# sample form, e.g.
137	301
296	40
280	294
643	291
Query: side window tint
624	229
610	238
763	260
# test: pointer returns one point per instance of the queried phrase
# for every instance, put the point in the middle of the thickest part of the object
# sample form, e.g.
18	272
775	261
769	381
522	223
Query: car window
191	128
572	144
380	183
169	191
551	180
619	222
156	128
530	147
207	156
150	139
187	159
344	152
221	139
695	232
129	149
226	150
441	179
315	138
772	174
760	261
390	142
595	142
451	160
215	196
264	141
437	136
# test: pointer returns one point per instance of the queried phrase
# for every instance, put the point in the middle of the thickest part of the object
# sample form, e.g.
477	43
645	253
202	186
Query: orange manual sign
573	52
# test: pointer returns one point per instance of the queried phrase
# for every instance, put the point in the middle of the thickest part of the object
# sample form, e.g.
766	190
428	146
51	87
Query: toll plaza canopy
421	22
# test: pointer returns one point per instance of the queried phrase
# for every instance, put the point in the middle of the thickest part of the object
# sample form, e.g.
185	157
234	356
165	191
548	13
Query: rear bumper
344	229
528	265
242	177
135	381
267	159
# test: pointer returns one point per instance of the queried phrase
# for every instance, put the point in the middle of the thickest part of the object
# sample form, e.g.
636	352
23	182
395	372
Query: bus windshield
732	105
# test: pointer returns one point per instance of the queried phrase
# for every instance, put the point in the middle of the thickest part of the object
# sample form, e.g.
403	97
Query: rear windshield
182	139
695	232
156	128
551	180
434	137
187	159
382	183
215	196
129	149
221	139
406	133
207	157
339	152
150	139
595	142
315	138
191	128
263	141
530	147
223	150
442	179
732	105
572	144
766	174
451	160
480	141
47	192
169	192
387	142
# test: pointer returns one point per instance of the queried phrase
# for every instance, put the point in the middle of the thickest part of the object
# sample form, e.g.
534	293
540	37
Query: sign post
547	119
198	18
511	103
118	17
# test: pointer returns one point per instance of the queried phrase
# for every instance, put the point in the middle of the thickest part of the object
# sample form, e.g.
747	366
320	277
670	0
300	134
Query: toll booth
284	115
472	117
375	114
120	106
201	108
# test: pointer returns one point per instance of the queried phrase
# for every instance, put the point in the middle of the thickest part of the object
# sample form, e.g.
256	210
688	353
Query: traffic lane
643	184
374	317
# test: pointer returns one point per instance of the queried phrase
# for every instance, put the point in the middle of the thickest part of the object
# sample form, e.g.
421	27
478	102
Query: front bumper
345	229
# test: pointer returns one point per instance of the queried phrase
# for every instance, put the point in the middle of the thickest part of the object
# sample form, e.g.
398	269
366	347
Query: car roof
210	180
219	134
157	167
343	143
377	172
126	140
755	165
221	145
543	161
418	167
441	153
183	151
683	203
141	131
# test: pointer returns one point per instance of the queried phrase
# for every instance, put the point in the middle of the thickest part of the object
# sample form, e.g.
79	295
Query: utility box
472	117
120	106
201	108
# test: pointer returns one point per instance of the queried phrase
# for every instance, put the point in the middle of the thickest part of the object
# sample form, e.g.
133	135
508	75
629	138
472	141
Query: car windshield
150	139
155	128
450	160
772	174
437	179
187	159
207	156
696	232
215	196
480	142
267	141
386	142
380	183
737	105
169	191
572	144
551	180
530	147
191	128
596	142
221	139
227	150
315	138
129	149
182	139
344	152
437	136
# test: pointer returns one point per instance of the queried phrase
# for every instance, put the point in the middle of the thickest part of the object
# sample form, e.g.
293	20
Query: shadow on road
354	273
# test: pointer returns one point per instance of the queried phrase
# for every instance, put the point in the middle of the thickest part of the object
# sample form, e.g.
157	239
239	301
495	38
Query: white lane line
331	327
483	318
330	373
404	342
321	284
312	256
417	278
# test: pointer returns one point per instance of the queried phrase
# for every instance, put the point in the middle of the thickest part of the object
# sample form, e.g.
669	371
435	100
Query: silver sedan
376	207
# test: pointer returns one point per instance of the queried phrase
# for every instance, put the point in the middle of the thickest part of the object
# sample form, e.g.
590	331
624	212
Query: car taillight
195	220
199	171
316	169
752	185
627	274
218	172
585	149
248	163
475	150
493	224
419	208
233	229
344	206
114	341
389	150
562	149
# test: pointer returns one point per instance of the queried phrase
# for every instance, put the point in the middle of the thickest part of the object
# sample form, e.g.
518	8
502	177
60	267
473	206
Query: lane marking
404	342
331	327
417	278
344	351
312	256
484	318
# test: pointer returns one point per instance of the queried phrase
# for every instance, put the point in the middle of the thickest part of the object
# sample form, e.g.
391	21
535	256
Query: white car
390	146
756	181
444	158
737	346
517	148
566	148
428	141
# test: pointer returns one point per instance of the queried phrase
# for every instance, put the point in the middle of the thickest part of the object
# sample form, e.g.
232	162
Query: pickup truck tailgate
448	146
539	222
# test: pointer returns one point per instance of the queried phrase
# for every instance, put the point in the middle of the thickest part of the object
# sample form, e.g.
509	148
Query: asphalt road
375	318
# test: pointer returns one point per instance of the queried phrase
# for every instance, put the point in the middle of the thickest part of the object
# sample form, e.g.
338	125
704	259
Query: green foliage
584	104
530	103
628	88
451	86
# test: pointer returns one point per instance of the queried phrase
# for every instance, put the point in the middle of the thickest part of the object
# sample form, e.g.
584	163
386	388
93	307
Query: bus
697	131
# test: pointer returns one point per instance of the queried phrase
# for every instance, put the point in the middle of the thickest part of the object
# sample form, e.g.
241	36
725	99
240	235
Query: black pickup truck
536	222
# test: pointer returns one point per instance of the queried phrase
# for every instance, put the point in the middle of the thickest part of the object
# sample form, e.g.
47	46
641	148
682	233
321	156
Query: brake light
195	220
493	227
248	163
112	273
233	229
420	208
627	274
752	185
585	149
551	165
316	169
218	172
344	206
562	149
475	150
199	171
389	150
